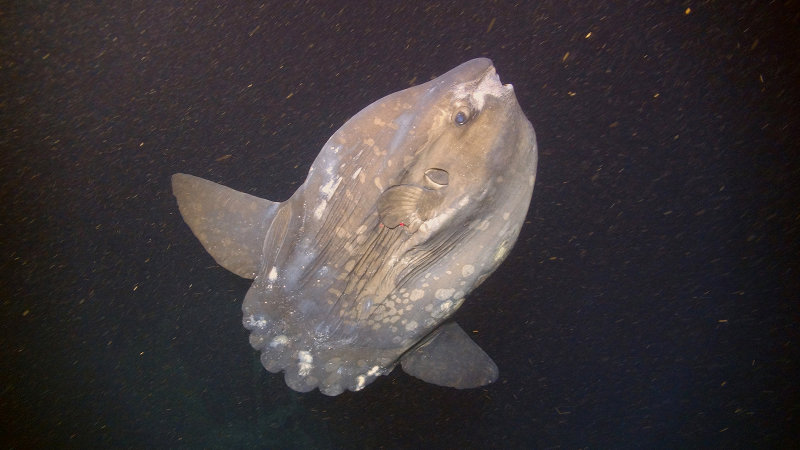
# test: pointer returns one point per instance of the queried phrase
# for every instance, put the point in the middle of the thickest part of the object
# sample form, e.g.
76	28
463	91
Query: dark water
651	301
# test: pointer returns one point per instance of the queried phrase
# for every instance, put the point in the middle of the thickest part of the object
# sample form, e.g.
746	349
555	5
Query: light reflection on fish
408	207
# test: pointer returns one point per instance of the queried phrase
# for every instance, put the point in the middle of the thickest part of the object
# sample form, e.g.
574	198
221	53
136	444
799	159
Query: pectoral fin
407	205
450	358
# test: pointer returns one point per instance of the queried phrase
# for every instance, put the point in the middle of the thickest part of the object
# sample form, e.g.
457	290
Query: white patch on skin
467	270
273	275
256	323
464	201
506	216
320	209
355	174
330	187
444	310
444	294
416	294
489	85
304	363
378	183
484	225
373	371
361	229
360	382
437	221
279	341
501	252
411	326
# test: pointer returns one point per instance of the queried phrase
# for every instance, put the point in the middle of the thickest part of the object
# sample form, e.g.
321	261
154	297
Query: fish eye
438	177
462	116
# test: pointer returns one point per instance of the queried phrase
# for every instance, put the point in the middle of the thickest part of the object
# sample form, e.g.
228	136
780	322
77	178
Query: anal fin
450	358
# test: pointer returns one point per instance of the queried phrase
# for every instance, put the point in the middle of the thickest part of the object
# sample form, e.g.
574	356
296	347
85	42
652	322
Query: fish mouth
489	84
492	73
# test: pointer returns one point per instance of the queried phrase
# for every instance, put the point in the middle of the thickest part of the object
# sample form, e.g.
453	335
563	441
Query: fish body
408	207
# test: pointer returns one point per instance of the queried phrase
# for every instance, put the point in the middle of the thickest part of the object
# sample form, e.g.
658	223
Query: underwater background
652	300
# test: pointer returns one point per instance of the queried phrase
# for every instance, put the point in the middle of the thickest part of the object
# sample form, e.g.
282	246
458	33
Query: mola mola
409	206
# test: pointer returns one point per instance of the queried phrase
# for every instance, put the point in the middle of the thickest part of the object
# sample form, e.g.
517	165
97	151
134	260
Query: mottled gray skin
408	207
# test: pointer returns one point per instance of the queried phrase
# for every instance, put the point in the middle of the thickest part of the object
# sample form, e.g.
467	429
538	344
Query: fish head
465	143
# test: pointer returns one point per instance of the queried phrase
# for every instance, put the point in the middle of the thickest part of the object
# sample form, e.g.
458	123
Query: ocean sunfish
409	206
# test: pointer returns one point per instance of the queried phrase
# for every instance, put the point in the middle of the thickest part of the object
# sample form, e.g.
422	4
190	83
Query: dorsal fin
230	224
